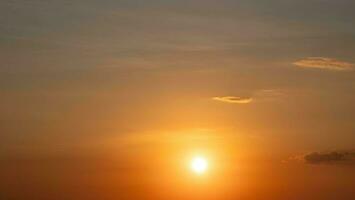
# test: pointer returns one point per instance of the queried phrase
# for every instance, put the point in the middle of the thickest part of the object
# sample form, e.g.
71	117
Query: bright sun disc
199	165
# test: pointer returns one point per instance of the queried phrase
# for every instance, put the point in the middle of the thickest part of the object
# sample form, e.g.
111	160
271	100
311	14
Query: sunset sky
113	99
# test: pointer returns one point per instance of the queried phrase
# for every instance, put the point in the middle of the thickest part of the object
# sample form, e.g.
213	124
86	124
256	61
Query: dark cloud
334	157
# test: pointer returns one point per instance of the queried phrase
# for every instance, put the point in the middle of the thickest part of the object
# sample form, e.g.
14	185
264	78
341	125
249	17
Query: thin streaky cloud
233	99
346	157
334	157
325	63
258	95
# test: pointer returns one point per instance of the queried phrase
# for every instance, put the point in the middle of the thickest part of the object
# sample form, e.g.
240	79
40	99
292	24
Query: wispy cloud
333	157
324	63
269	94
258	95
330	157
233	99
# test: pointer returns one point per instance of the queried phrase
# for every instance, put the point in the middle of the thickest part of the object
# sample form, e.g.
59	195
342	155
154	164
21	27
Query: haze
111	99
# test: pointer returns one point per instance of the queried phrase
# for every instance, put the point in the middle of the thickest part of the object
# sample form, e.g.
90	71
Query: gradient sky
104	99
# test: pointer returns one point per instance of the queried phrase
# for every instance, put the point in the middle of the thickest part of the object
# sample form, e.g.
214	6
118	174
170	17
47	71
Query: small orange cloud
324	63
233	99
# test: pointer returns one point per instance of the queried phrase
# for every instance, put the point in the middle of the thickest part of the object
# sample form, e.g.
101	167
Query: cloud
269	94
332	157
258	95
325	63
233	99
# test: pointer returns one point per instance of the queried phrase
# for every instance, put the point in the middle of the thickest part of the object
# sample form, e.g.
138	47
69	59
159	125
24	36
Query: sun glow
199	165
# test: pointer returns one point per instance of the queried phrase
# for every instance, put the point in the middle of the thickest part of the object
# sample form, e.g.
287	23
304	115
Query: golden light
199	165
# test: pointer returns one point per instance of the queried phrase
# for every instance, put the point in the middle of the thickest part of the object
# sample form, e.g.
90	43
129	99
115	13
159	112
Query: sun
199	165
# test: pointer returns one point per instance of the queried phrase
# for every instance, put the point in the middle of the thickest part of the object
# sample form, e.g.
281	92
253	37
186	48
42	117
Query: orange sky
112	99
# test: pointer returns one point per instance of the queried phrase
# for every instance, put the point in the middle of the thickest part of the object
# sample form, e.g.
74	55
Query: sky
109	99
